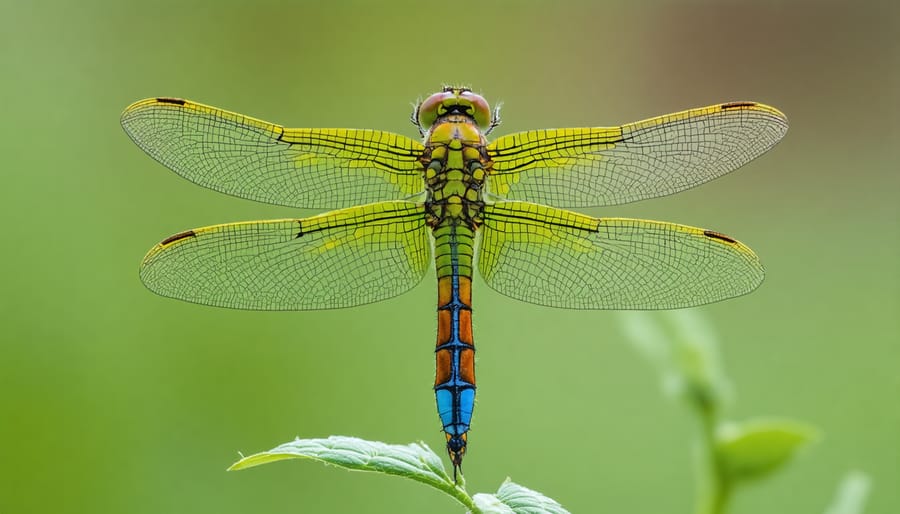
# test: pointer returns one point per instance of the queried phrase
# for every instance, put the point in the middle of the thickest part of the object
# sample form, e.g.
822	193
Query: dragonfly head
456	447
454	100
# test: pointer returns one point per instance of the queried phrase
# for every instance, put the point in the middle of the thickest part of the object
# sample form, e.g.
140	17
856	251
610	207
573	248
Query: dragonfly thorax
456	165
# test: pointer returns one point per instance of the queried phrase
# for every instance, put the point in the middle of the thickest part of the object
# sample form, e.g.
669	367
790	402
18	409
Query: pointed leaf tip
755	449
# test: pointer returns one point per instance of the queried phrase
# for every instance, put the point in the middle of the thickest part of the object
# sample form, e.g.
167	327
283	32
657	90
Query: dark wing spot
165	100
177	237
716	235
737	105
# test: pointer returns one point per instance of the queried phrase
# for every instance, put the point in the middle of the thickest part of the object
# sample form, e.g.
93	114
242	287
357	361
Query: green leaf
754	449
512	498
414	461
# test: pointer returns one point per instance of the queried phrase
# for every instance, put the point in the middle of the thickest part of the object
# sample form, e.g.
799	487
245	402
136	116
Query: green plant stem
462	497
718	488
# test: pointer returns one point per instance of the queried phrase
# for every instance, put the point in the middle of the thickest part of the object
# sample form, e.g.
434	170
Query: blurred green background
115	400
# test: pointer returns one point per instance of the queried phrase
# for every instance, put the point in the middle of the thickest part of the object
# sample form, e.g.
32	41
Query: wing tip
166	244
757	107
754	271
149	102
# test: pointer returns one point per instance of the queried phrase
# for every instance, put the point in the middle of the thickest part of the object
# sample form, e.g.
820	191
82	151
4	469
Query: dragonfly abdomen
454	384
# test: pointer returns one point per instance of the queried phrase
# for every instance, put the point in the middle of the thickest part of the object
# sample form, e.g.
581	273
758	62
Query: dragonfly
396	204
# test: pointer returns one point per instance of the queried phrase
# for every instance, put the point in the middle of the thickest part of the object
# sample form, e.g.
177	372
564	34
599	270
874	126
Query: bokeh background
113	400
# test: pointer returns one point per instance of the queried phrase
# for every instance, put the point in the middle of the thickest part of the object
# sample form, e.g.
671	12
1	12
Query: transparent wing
588	167
249	158
337	259
560	258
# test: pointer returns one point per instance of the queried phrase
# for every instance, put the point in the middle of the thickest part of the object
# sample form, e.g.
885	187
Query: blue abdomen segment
455	408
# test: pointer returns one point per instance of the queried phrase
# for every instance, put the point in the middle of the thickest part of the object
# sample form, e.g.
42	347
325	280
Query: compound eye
428	110
481	111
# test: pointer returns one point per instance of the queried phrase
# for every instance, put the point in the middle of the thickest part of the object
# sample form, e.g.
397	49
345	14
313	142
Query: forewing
587	167
560	258
337	259
249	158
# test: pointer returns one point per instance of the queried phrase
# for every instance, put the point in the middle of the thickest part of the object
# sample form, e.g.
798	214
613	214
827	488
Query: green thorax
456	165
